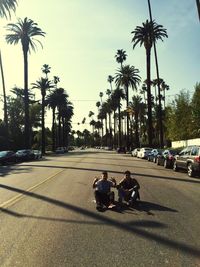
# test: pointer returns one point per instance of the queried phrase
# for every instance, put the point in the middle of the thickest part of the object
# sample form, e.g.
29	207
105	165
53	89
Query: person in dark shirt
128	189
103	194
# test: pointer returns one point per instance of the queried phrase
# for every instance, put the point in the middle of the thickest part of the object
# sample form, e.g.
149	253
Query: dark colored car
7	157
38	154
167	157
121	150
188	159
152	156
25	154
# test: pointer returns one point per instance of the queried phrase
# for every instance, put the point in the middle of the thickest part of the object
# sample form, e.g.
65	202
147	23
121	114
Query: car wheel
175	167
165	163
190	170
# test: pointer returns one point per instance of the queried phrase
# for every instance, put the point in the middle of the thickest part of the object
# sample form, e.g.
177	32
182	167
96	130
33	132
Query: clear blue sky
83	37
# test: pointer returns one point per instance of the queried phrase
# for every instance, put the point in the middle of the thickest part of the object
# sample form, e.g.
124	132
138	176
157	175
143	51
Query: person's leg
112	197
98	198
121	195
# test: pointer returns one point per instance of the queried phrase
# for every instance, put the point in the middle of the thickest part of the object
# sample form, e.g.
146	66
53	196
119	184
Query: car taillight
197	159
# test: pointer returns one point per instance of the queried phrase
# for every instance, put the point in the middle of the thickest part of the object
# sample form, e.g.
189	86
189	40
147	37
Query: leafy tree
25	31
196	110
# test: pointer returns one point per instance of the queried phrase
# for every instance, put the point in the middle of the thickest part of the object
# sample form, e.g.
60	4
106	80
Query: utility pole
159	96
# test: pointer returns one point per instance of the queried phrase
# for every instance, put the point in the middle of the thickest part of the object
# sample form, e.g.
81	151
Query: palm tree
56	80
6	6
43	85
25	31
198	7
147	35
136	106
46	69
121	56
110	80
127	77
101	95
119	95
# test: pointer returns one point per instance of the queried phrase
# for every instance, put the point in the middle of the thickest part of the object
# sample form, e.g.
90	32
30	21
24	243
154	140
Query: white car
143	153
135	152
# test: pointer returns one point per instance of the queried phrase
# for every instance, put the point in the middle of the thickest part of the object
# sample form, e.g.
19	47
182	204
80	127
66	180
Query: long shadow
140	223
180	246
191	180
13	169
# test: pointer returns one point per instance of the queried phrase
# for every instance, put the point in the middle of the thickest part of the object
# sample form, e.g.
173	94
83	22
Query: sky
83	36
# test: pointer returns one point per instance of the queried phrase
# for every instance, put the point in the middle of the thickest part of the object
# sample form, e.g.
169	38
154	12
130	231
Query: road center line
16	198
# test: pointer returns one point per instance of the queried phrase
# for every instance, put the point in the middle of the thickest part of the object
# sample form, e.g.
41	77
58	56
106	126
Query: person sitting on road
103	194
128	189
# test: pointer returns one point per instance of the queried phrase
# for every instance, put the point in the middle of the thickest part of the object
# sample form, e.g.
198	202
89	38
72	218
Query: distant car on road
7	157
121	150
153	154
60	150
167	157
143	153
188	159
25	154
134	152
37	153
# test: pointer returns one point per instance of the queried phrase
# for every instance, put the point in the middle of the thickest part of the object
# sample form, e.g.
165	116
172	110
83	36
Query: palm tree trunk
26	101
198	7
114	130
120	131
5	104
148	57
159	95
43	124
53	130
137	129
127	121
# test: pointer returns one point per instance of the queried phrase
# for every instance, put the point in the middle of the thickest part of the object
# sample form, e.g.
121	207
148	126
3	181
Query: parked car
167	157
134	152
121	150
152	155
144	152
60	150
38	154
7	157
188	159
25	154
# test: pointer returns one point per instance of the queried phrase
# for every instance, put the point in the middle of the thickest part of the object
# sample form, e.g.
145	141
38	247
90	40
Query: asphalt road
48	217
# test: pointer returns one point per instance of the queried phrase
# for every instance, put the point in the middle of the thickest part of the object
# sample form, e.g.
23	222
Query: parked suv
188	159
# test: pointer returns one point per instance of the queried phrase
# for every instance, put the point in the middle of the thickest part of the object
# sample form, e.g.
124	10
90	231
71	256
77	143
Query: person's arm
114	183
94	182
120	185
136	186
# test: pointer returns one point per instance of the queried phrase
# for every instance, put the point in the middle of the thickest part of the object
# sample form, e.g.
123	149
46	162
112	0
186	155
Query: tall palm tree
136	106
46	69
101	95
147	35
119	95
25	31
198	7
127	77
56	80
6	6
43	85
121	56
110	80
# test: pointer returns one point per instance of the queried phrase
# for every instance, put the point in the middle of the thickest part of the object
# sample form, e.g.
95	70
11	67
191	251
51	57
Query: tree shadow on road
143	233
